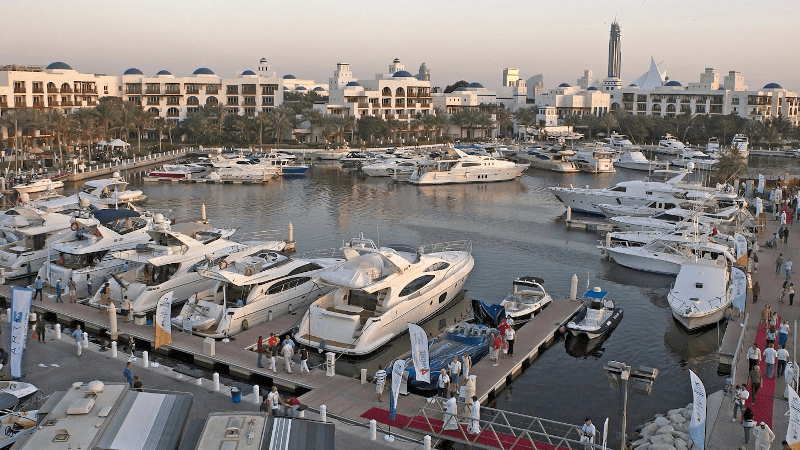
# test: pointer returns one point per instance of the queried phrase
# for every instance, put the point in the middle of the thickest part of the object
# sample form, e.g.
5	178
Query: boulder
662	439
642	447
680	444
682	427
665	430
640	442
681	435
661	447
650	430
677	418
687	415
661	421
674	411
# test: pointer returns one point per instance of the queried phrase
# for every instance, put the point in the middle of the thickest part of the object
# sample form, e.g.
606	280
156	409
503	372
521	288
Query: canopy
110	215
8	401
118	143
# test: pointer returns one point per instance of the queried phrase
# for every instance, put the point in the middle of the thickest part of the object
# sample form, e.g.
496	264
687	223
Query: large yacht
741	143
703	291
28	234
633	159
595	158
102	193
670	145
700	160
554	160
466	168
378	291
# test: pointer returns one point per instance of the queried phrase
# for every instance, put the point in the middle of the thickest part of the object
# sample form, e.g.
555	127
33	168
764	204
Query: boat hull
634	258
476	176
694	323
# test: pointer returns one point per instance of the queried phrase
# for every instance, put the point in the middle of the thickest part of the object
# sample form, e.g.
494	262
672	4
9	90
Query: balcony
38	105
127	91
231	92
78	102
3	104
52	90
53	104
232	102
249	103
212	91
38	90
192	90
172	102
91	103
90	91
21	104
19	89
153	91
193	102
153	101
172	91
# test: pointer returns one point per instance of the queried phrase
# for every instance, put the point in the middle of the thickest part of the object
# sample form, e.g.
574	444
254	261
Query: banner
697	425
793	431
162	320
419	352
760	183
759	206
20	315
738	289
740	246
397	377
605	434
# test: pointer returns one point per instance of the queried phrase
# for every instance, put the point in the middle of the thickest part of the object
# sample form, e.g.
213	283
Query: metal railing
737	354
464	246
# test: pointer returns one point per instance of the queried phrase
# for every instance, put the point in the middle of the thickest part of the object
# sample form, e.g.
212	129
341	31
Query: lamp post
641	381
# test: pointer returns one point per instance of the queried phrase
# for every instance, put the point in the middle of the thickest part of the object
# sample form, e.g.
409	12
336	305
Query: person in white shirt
450	419
380	382
510	335
783	359
455	371
275	400
753	356
769	358
287	352
764	436
475	417
587	432
739	399
444	383
466	364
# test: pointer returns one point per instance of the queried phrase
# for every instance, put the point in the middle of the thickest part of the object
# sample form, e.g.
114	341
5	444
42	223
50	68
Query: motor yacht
632	159
398	168
595	158
653	207
741	144
671	218
713	148
703	291
29	233
40	185
700	160
465	168
102	193
597	317
553	160
670	145
666	256
378	291
170	172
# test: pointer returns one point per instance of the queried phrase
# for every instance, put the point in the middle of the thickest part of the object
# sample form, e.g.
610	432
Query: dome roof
262	60
163	72
133	71
592	88
475	85
203	71
318	89
286	88
632	85
462	88
564	85
721	88
300	88
58	65
248	72
402	74
353	83
773	86
289	76
673	83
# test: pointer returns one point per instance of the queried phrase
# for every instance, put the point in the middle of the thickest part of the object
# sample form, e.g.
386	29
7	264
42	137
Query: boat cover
146	420
8	401
109	215
490	315
597	295
299	434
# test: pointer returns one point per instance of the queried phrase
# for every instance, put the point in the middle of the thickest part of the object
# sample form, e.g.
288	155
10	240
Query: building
614	79
568	100
56	86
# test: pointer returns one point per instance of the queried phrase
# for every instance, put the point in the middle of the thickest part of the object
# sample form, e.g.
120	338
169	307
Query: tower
614	52
424	73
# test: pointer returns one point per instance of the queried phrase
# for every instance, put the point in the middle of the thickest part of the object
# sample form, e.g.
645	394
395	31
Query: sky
472	40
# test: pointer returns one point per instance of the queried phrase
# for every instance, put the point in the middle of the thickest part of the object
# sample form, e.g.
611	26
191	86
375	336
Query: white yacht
466	169
526	299
595	158
165	264
378	291
633	159
620	141
331	154
713	148
169	172
702	292
671	218
250	287
740	143
399	168
29	233
648	209
40	185
553	160
102	193
670	145
665	256
700	160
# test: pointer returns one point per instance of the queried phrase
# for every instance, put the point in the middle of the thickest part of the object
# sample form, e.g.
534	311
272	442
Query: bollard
363	376
216	381
85	340
323	413
569	214
573	289
373	430
427	442
256	394
198	381
112	320
291	232
203	211
113	349
145	359
269	316
2	274
58	331
8	314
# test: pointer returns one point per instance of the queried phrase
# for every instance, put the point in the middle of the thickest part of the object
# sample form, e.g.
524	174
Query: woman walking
783	334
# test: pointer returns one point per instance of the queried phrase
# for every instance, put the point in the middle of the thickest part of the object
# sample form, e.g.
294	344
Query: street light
641	382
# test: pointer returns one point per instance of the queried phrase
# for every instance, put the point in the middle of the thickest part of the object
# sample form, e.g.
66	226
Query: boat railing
263	235
323	253
451	246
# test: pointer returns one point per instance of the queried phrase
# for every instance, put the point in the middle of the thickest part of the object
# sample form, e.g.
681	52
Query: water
516	229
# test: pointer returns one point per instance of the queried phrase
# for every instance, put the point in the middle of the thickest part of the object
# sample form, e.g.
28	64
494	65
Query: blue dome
319	89
773	86
203	71
133	71
475	85
163	72
462	88
673	83
592	88
300	88
248	72
353	83
721	88
564	85
633	85
402	74
289	77
58	65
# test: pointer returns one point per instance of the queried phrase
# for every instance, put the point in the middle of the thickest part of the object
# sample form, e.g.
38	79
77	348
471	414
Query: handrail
737	354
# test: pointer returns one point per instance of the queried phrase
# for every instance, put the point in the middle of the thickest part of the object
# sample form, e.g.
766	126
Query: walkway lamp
641	381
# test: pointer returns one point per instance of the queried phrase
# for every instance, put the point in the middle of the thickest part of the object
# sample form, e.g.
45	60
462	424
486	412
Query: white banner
738	289
397	378
162	320
740	245
697	424
605	434
759	206
793	432
419	352
760	183
20	315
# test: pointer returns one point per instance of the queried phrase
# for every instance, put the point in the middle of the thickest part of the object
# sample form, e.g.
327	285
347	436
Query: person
753	356
783	217
510	335
137	384
788	266
755	382
783	360
32	321
450	419
275	400
496	344
503	343
764	436
766	313
291	407
475	417
39	286
88	285
755	262
125	265
773	319
271	357
587	432
770	356
131	344
756	292
127	374
272	342
771	335
40	329
58	291
783	333
78	336
127	307
287	353
455	371
105	299
748	423
778	263
443	383
304	361
739	399
72	289
380	382
264	406
260	351
466	364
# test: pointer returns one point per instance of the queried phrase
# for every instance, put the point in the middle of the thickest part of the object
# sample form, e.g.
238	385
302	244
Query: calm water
516	229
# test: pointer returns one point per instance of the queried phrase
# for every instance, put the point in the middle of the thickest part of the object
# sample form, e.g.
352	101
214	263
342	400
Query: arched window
154	111
173	112
386	91
656	107
400	92
51	87
192	101
670	108
212	101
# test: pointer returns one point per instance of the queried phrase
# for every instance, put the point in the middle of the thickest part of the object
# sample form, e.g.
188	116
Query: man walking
788	266
756	292
753	356
769	358
497	343
764	436
260	351
127	374
287	352
78	336
510	335
304	361
58	291
443	383
755	382
739	399
455	371
778	263
783	360
275	401
72	289
88	285
380	382
39	286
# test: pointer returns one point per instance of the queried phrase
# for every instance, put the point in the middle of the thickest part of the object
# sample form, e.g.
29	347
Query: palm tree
349	123
609	121
440	121
781	125
14	122
525	117
58	124
262	119
730	164
503	120
314	119
279	121
160	124
170	126
86	127
108	113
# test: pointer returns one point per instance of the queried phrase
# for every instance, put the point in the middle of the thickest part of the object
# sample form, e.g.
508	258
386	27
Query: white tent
118	143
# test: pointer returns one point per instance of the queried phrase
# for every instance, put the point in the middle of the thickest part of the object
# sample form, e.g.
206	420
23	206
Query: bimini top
402	74
110	215
595	293
59	65
203	71
133	71
766	86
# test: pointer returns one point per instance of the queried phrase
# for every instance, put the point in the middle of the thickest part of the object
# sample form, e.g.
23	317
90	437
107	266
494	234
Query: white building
568	100
55	86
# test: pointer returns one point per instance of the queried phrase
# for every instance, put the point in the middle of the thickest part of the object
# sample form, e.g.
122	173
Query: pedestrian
455	371
588	431
304	361
466	365
272	342
443	384
450	419
291	407
756	292
287	353
380	382
755	382
748	423
770	356
766	313
778	263
88	285
264	406
510	335
771	335
783	334
78	336
131	344
127	374
275	401
40	329
39	286
58	291
783	218
260	351
496	345
755	262
773	319
502	329
72	289
474	426
791	294
785	446
786	235
788	266
137	384
739	399
783	360
127	307
271	356
764	436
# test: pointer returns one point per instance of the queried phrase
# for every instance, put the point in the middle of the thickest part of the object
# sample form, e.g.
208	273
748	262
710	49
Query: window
441	265
416	285
212	101
286	284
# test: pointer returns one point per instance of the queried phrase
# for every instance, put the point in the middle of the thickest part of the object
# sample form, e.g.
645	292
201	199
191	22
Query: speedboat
630	158
700	160
740	143
527	298
553	160
378	291
29	233
40	185
16	423
597	316
702	292
466	168
170	172
595	158
670	145
287	166
242	174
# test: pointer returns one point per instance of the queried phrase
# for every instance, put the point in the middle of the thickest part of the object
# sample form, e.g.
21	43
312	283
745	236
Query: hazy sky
467	39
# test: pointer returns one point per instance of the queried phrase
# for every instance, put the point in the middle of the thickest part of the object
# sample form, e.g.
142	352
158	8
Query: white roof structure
651	79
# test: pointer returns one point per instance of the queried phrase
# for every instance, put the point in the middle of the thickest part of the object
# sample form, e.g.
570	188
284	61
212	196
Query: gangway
499	429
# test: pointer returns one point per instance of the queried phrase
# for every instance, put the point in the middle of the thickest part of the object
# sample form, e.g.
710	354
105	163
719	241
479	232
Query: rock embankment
666	432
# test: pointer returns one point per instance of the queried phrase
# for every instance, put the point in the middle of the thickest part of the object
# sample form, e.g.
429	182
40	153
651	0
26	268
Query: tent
118	143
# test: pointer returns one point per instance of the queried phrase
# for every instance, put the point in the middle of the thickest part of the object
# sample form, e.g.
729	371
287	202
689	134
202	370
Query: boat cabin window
618	189
416	285
471	164
669	217
39	241
305	268
360	298
441	265
286	284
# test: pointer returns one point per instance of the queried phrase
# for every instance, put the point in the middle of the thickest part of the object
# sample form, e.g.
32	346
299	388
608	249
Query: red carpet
487	438
762	410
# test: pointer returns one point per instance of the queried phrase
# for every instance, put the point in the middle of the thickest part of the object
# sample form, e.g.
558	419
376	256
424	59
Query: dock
598	226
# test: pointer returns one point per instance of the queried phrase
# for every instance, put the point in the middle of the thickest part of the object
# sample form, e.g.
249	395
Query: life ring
245	324
223	265
97	232
74	226
248	272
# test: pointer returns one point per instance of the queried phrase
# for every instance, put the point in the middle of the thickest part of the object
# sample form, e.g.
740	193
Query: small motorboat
40	185
597	316
18	389
580	346
526	299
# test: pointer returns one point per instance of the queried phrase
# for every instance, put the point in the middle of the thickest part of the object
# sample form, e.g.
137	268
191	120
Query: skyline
470	40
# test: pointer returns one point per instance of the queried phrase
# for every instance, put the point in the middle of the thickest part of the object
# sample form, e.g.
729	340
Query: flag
697	424
20	315
760	183
162	320
605	434
759	206
397	378
793	431
738	289
740	246
419	352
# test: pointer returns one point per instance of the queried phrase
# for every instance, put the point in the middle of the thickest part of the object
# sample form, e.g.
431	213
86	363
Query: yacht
466	168
170	172
595	158
331	154
666	256
632	159
671	218
398	168
653	207
620	141
287	166
670	145
101	193
741	143
699	159
40	185
702	292
356	158
29	233
378	291
527	298
597	316
166	264
250	287
712	148
552	160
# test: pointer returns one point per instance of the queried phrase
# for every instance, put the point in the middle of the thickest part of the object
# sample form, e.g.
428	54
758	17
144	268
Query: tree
525	117
503	120
108	113
314	119
452	87
730	164
609	121
279	121
371	127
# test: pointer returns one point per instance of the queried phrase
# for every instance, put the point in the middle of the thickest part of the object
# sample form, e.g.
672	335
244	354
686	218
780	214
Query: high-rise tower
614	52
